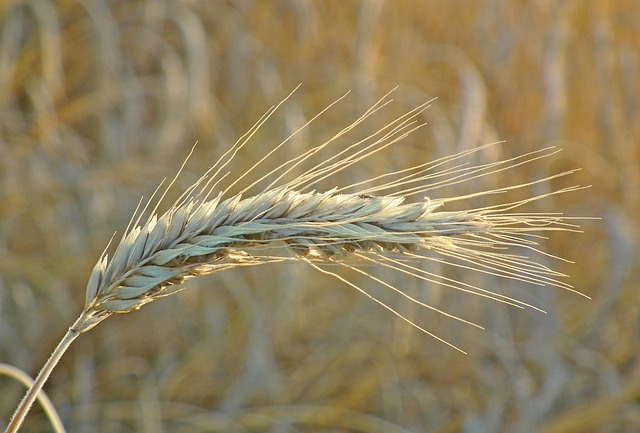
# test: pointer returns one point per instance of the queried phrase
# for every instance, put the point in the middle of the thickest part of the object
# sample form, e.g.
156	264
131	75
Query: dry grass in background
100	99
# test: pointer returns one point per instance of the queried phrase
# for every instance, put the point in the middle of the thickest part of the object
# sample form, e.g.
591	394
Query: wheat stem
32	393
43	399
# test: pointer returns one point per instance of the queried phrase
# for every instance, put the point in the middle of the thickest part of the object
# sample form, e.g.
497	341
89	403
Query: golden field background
100	100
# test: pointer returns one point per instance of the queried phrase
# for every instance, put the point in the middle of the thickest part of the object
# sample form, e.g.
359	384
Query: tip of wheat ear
200	235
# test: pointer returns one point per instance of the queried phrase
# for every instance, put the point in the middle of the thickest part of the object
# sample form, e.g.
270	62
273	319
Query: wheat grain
208	229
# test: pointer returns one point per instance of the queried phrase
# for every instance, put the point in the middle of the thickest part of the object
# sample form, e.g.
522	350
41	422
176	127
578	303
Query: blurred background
100	100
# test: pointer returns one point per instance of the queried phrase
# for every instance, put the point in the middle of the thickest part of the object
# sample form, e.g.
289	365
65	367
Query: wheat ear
207	230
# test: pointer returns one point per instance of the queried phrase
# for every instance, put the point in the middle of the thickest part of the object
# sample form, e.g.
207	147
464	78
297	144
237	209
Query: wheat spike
208	229
200	235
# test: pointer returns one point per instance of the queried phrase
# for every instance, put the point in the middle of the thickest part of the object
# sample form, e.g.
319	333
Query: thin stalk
32	394
45	402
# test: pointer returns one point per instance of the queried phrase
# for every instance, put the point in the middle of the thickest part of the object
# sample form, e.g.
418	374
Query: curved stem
31	395
45	402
